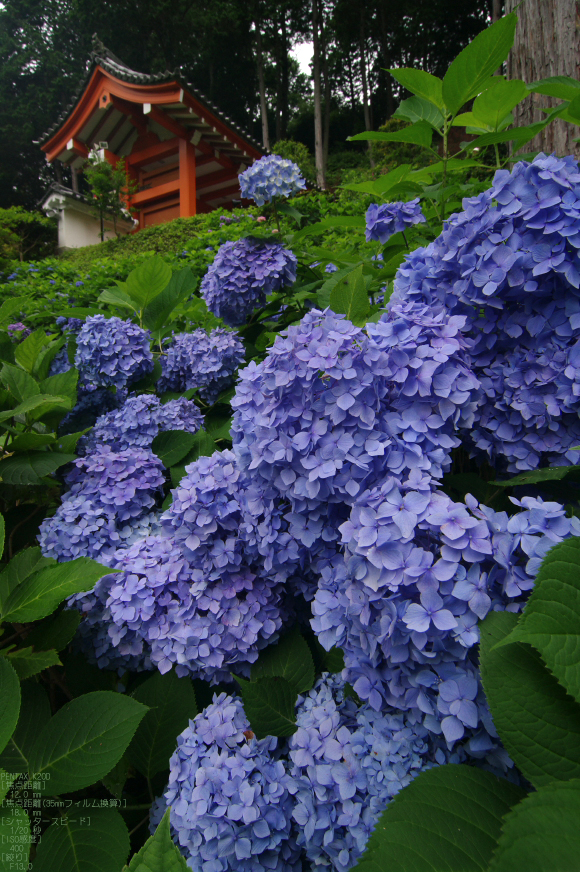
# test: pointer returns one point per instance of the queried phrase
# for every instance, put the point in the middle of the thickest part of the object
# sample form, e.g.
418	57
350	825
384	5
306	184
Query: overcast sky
303	54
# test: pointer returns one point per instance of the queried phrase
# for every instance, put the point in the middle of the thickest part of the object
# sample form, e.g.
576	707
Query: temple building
183	155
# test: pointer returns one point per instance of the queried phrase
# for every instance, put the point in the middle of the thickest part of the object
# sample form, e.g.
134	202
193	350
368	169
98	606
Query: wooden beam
219	126
79	148
159	151
177	129
223	192
156	193
214	178
131	111
187	196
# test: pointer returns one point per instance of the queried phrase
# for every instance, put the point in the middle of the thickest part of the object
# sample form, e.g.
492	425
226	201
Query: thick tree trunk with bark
318	141
547	44
262	87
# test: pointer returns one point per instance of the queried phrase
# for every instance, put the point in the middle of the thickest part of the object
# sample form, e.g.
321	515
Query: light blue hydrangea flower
112	352
269	177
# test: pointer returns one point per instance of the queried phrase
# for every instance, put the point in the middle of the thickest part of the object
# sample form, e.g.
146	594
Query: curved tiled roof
103	57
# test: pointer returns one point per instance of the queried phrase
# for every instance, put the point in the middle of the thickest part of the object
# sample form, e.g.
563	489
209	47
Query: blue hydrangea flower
228	793
510	264
403	602
269	177
330	268
110	492
239	555
348	762
60	362
331	409
198	360
389	218
139	420
112	352
243	274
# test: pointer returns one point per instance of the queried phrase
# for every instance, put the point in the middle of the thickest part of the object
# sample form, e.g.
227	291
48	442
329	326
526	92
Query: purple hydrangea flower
269	177
243	274
348	763
139	420
228	794
109	495
389	218
198	360
509	263
112	352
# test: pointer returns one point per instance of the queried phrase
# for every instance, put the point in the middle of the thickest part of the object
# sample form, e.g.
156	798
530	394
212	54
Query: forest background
236	52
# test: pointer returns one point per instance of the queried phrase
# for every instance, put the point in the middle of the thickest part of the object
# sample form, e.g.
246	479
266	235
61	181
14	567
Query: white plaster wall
78	225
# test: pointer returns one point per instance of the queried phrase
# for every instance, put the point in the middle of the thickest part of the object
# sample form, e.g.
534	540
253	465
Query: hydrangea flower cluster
348	762
110	493
112	353
239	555
228	794
384	220
139	420
510	264
403	602
332	409
243	274
198	360
18	331
269	177
60	362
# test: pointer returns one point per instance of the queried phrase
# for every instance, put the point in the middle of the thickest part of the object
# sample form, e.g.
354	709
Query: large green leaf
551	619
290	658
420	83
384	183
55	631
541	833
469	72
88	840
419	109
2	534
28	350
269	705
9	701
6	781
39	594
448	819
20	384
40	400
27	662
561	87
9	307
29	467
158	854
538	723
420	133
350	297
537	476
171	446
171	702
491	107
180	287
63	384
20	567
147	280
84	740
117	298
203	446
26	441
34	714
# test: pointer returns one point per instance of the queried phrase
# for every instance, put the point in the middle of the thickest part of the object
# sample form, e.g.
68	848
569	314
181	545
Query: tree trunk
363	75
318	143
547	44
285	78
326	78
386	53
496	8
262	87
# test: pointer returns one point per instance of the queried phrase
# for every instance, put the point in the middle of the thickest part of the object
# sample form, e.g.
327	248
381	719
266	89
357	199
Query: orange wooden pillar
187	192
